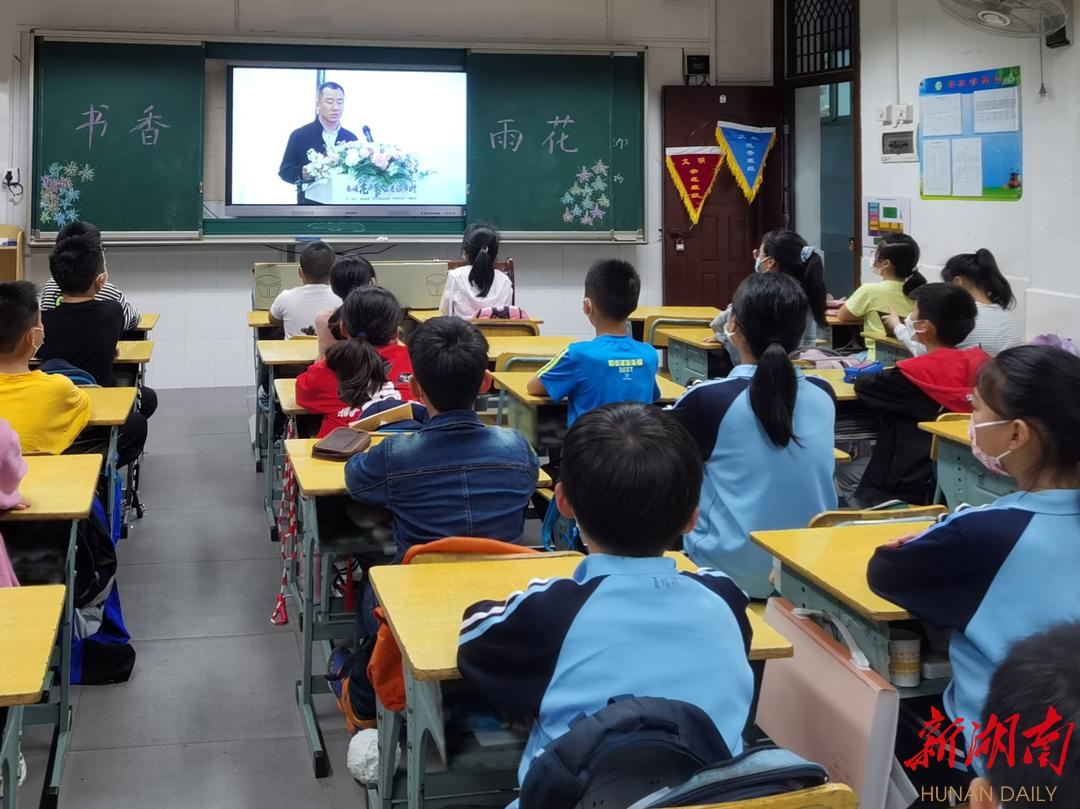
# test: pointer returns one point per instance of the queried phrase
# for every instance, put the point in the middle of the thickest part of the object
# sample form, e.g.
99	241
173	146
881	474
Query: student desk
424	604
825	569
133	352
669	316
110	407
961	478
29	619
886	350
259	319
535	348
418	316
274	354
844	391
141	330
59	488
320	480
840	333
541	420
690	354
854	422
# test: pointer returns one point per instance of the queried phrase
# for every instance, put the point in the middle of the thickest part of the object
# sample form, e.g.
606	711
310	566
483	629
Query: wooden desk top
29	619
110	407
147	322
134	351
285	391
642	313
691	335
514	383
526	346
288	352
57	487
878	337
424	604
840	456
844	391
319	478
835	559
258	318
424	315
955	431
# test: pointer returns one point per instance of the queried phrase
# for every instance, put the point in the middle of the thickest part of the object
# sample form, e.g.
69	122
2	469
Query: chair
832	519
11	258
491	327
506	266
827	796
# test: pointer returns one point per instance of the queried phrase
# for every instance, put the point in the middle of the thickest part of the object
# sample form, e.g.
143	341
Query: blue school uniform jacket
602	371
994	576
620	626
750	483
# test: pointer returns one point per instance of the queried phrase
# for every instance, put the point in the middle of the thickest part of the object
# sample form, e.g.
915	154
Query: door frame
788	87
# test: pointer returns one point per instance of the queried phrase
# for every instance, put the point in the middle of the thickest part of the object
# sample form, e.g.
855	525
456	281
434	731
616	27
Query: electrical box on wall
898	141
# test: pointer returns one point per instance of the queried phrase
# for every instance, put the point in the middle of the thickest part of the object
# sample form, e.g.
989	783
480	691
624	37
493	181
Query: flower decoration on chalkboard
59	197
584	202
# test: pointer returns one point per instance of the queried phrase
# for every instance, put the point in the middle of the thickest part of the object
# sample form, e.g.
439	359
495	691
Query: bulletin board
970	136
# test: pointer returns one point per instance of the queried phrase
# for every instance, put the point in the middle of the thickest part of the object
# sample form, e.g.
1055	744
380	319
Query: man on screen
325	130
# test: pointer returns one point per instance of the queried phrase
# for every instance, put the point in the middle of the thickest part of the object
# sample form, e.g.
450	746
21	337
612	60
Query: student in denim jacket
456	476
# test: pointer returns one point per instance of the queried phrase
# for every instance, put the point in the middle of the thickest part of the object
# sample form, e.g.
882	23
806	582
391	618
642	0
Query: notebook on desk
822	706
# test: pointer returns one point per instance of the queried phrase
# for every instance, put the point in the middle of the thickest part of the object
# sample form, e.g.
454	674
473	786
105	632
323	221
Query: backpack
95	559
631	749
77	375
758	773
501	313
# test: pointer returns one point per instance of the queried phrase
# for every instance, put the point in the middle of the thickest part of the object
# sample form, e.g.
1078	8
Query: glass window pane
826	101
843	100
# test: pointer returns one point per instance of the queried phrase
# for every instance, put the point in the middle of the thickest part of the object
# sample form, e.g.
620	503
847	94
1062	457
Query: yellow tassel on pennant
736	170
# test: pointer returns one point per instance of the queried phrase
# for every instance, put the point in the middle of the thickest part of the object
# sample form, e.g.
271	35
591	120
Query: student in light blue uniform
613	367
765	433
627	622
998	574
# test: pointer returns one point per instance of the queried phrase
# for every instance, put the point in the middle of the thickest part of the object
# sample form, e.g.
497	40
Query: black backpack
630	749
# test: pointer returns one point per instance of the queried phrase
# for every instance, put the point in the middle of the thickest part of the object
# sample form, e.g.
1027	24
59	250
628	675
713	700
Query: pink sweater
12	471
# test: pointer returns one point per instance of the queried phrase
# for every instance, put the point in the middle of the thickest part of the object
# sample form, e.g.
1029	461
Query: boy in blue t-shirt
613	367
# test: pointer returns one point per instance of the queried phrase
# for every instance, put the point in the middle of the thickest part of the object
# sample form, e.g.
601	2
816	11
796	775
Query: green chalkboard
556	143
118	136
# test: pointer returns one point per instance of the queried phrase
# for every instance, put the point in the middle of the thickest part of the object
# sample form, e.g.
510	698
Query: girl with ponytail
995	327
765	434
366	372
477	285
896	260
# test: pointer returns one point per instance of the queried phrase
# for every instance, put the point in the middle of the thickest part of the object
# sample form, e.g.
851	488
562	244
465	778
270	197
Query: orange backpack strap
384	667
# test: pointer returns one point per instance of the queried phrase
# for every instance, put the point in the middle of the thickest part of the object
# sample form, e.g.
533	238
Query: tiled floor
208	719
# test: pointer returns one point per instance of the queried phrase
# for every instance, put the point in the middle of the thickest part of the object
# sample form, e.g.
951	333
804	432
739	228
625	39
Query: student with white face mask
1001	573
995	326
896	260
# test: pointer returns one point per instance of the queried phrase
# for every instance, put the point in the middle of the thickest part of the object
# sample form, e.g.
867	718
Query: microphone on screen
367	134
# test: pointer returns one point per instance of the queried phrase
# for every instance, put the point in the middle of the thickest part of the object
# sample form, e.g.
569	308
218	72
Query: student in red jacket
919	389
365	373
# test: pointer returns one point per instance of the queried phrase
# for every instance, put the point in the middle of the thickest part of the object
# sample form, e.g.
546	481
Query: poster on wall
883	216
970	144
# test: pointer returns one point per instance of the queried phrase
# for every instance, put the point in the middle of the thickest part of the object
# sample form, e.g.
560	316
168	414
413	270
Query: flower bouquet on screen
363	172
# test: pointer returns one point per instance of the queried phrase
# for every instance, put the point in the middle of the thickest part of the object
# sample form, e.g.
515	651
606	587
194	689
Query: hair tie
484	249
361	335
807	253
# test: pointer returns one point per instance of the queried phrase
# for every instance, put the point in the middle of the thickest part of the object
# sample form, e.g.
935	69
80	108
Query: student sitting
296	308
995	575
626	622
787	252
897	262
12	471
995	326
918	389
51	292
455	476
478	285
46	411
1039	674
367	372
613	367
347	274
765	433
84	328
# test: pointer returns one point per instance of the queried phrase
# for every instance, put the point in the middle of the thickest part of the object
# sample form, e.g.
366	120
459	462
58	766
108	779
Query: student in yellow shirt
47	411
897	262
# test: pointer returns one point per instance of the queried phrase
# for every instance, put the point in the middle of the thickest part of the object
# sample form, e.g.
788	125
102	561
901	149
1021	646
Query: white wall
202	292
1035	239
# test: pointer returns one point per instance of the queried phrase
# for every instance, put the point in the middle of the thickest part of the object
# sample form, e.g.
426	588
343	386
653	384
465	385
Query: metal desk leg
389	728
425	723
271	463
260	422
111	473
320	759
9	762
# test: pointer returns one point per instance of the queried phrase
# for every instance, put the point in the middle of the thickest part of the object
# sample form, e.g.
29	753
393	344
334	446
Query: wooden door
703	265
